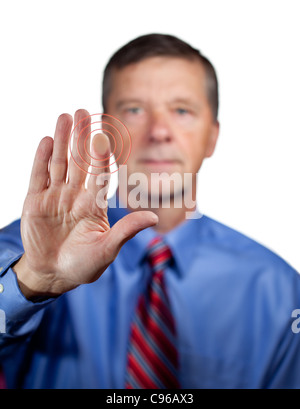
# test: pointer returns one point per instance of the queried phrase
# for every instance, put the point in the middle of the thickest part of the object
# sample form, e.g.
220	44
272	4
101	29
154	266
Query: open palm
66	235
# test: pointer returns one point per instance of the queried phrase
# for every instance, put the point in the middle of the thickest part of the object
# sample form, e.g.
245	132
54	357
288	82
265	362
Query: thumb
129	226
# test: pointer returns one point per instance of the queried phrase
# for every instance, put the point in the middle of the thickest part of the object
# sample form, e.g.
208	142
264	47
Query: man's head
156	45
166	93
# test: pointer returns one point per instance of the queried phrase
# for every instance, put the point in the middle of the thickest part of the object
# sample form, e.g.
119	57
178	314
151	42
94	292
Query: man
221	315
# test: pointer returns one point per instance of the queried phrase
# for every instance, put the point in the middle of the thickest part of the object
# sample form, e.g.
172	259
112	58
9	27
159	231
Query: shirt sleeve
19	317
284	368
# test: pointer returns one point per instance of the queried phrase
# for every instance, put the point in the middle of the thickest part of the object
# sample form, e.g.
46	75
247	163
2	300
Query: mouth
159	164
158	161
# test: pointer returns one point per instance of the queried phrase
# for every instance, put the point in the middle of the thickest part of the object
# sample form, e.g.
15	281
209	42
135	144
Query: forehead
159	77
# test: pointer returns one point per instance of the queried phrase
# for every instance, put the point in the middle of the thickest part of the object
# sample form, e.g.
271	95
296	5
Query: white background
52	57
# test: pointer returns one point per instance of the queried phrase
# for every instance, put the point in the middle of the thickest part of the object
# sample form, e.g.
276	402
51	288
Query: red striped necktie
152	354
2	380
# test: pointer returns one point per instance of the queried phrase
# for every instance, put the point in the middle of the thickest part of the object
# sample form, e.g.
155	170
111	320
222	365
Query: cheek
125	140
193	147
138	136
129	149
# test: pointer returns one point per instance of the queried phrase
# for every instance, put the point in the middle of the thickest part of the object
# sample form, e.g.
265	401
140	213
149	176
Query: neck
169	216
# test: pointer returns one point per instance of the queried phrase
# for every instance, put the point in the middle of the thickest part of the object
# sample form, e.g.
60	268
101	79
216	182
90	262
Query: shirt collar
183	240
134	250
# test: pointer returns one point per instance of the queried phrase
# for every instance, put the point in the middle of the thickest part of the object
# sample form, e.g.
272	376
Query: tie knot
159	254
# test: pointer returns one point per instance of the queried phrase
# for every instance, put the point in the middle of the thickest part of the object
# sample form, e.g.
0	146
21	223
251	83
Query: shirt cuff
18	315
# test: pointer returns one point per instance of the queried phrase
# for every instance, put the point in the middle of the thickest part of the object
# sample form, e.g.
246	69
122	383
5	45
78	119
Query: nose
159	129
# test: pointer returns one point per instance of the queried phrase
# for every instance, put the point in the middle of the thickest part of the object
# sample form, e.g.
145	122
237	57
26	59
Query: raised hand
66	235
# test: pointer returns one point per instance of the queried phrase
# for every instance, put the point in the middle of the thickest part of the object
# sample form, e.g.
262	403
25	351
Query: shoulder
240	248
245	275
13	227
11	234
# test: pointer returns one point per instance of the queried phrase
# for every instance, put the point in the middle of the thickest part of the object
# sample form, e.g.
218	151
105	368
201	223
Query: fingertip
47	139
153	218
45	146
64	120
100	145
65	115
82	113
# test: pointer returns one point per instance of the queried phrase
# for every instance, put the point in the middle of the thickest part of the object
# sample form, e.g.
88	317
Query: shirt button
1	288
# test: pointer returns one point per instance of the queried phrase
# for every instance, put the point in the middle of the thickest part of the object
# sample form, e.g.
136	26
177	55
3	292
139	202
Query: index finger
100	176
80	161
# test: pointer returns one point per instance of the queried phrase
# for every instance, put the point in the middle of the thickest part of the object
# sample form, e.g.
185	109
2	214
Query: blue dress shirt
231	297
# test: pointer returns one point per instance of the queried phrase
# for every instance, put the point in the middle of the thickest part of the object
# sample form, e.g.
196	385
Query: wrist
32	286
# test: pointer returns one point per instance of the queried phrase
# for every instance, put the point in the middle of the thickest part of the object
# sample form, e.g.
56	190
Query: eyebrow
185	101
180	100
123	102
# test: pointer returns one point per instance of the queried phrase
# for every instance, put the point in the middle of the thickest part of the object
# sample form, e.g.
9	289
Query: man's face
163	103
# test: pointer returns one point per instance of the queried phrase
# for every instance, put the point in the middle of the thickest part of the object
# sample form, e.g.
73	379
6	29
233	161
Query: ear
212	139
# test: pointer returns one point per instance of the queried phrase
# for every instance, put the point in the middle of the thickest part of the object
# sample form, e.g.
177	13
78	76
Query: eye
134	110
182	111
